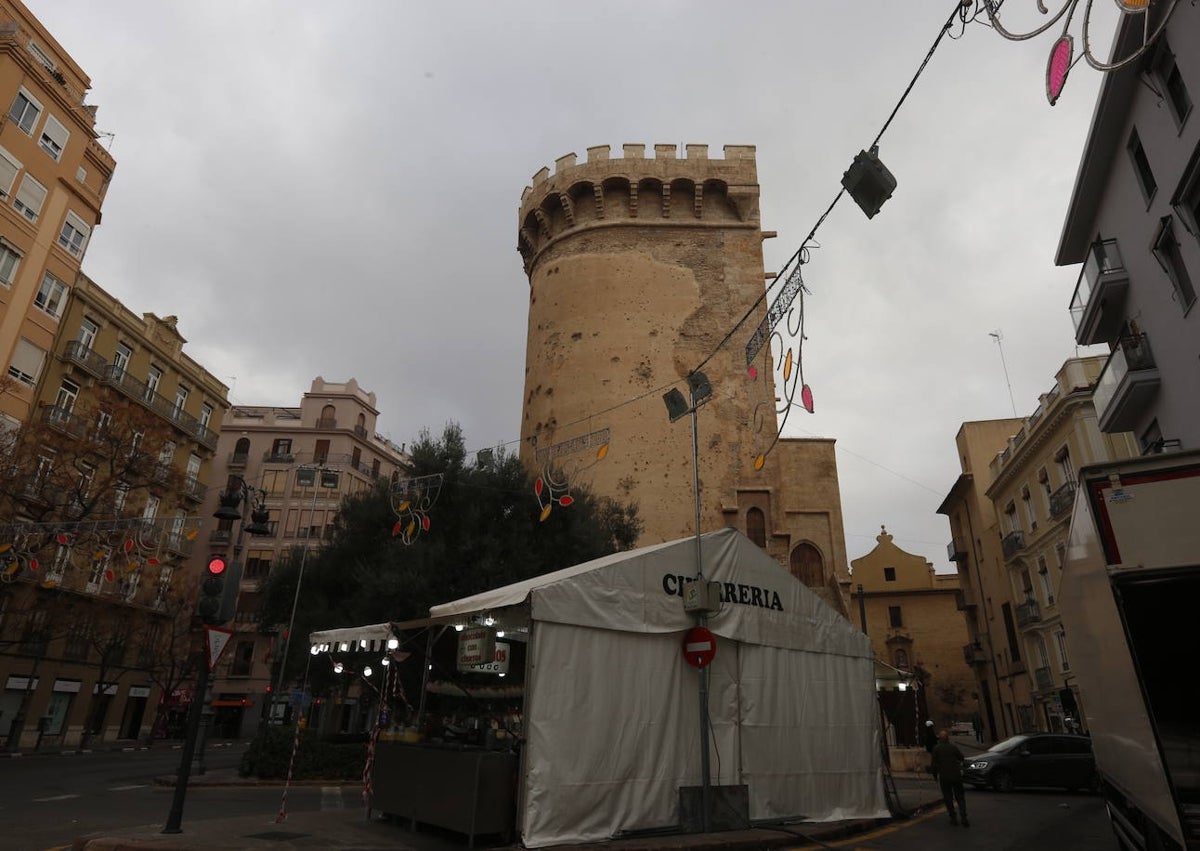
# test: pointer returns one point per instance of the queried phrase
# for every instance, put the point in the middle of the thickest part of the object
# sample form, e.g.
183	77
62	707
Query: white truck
1130	604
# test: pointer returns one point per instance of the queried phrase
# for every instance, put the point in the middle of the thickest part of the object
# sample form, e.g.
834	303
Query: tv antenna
999	338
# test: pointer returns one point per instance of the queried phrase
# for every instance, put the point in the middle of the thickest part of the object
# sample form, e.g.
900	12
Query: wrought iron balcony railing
1012	543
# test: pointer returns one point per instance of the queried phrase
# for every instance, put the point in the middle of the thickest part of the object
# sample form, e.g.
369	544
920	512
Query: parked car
1035	759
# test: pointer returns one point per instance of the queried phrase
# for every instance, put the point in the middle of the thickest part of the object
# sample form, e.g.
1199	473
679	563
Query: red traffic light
216	566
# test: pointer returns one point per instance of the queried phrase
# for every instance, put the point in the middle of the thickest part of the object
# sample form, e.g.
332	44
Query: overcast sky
331	189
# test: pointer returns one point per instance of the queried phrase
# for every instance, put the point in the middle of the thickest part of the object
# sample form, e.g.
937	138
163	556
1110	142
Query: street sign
217	640
699	646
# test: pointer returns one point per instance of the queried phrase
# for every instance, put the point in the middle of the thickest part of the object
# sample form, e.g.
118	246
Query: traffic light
219	591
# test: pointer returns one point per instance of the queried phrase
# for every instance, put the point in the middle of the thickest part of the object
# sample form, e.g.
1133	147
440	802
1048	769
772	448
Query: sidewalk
352	831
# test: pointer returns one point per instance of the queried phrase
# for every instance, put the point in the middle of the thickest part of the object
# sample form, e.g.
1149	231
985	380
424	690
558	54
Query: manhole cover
277	835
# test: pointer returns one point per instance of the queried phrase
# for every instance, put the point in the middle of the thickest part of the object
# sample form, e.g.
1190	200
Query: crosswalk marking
127	788
54	798
331	798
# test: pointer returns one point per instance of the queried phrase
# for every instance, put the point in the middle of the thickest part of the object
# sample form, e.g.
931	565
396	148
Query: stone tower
638	268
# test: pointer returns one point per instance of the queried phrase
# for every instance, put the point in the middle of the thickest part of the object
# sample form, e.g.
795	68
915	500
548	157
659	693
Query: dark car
1035	759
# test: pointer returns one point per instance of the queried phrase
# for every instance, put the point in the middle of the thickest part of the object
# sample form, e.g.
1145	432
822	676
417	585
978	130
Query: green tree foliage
484	533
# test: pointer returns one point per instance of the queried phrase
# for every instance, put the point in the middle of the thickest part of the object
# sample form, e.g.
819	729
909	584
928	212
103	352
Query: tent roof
641	591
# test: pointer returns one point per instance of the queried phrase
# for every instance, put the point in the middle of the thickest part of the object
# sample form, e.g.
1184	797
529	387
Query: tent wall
612	722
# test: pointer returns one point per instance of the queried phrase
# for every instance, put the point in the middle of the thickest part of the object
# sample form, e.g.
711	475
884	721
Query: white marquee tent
612	710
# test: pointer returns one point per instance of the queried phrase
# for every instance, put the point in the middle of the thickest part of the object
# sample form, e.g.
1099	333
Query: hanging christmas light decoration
1142	33
553	485
411	500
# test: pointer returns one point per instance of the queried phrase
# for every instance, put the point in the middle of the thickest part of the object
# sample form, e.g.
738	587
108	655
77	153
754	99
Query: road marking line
331	798
127	788
54	798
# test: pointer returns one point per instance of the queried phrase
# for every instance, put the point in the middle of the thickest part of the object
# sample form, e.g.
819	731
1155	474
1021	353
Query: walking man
946	762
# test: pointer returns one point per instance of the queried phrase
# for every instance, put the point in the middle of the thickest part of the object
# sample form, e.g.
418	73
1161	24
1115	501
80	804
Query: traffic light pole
175	818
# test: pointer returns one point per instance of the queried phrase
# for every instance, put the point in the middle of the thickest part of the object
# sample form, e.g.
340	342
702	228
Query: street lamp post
700	391
329	479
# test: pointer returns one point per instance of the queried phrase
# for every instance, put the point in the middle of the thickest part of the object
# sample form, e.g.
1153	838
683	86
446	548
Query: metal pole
862	609
287	638
189	748
705	769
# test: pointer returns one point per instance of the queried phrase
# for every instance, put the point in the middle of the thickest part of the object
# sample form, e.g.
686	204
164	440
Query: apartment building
1134	224
53	178
912	616
1010	513
298	463
99	516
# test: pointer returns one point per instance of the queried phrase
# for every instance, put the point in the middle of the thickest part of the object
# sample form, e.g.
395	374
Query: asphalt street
48	800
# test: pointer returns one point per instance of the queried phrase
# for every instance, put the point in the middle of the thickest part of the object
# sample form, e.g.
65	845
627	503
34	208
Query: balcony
1129	381
220	536
166	408
63	420
1012	543
193	489
973	654
278	457
1096	306
326	423
78	353
1028	612
238	459
361	431
1043	678
1062	500
956	551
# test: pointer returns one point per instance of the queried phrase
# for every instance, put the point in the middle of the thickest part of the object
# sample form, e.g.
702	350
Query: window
1065	468
68	392
181	395
120	495
243	659
30	198
9	260
1170	258
321	452
54	137
153	377
901	659
1012	524
1027	503
164	585
87	334
150	511
51	295
1174	90
1060	639
103	422
121	359
9	166
889	574
25	111
1186	199
1141	167
1047	582
1043	656
193	469
206	412
74	234
895	619
258	564
1010	630
26	364
756	527
166	453
281	447
806	563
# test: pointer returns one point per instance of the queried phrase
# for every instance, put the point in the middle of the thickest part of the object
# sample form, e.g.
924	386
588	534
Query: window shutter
8	171
57	135
27	362
30	197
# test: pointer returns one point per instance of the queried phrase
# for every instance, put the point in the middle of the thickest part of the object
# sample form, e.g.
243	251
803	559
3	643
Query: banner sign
475	647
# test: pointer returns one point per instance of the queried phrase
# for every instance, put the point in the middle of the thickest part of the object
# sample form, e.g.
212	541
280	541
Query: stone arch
756	527
242	447
616	198
683	197
807	564
650	198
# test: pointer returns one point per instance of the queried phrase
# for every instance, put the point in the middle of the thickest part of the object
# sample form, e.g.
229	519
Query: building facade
1009	517
53	178
300	462
637	267
1134	224
912	616
100	503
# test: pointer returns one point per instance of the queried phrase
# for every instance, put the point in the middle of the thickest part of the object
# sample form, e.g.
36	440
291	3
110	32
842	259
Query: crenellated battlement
666	189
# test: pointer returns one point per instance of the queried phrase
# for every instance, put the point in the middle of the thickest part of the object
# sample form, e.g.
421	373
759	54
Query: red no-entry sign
699	646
